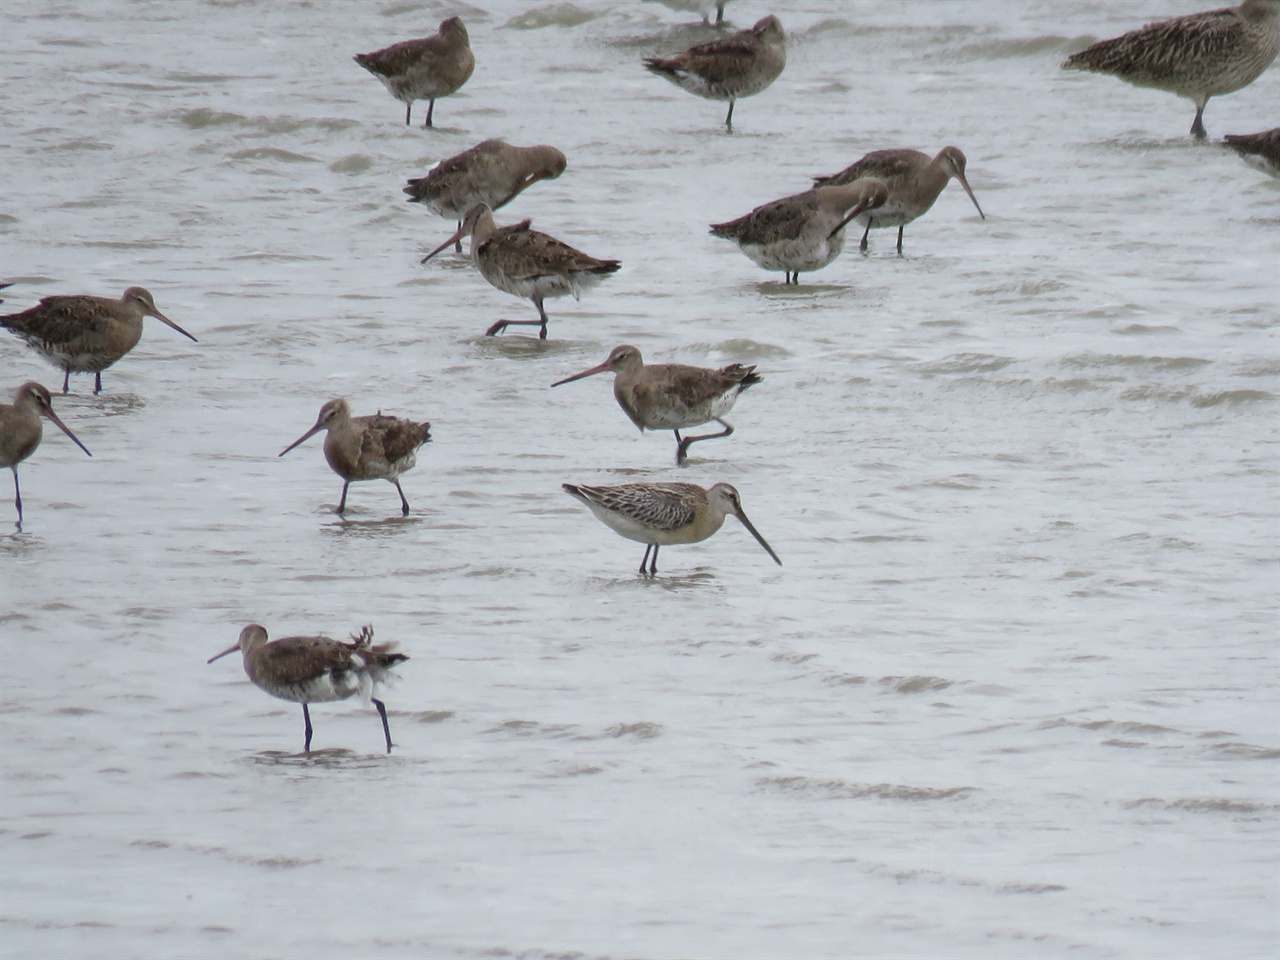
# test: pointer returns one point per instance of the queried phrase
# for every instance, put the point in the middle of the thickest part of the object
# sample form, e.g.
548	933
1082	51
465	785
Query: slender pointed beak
165	320
967	189
525	184
65	429
224	653
302	439
599	368
846	221
457	235
742	518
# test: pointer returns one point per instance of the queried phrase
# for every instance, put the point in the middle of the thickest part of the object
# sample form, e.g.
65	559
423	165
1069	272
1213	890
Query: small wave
914	684
1205	805
556	15
840	789
271	153
1231	397
1106	360
964	363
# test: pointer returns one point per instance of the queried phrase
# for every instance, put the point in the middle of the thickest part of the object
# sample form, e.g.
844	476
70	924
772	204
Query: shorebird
804	231
317	669
1198	56
672	396
914	182
492	172
526	263
423	69
701	7
658	514
736	66
21	430
1259	150
83	334
367	448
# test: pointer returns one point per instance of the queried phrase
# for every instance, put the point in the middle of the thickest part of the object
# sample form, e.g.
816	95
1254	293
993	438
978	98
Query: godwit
367	448
701	7
658	514
914	182
672	396
1198	56
492	172
423	69
804	231
83	334
736	66
317	670
1259	150
21	430
526	263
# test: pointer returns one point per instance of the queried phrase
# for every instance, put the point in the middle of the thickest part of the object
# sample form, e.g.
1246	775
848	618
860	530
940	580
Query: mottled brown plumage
1198	56
914	180
732	67
803	232
374	447
1259	150
658	514
424	69
672	396
21	431
526	263
84	334
317	669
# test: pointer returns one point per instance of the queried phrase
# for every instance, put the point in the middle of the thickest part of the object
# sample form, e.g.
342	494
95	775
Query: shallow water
1014	692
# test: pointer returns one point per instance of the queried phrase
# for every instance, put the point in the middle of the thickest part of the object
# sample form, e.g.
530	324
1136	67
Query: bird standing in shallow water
672	396
21	431
317	670
1260	150
804	231
913	180
1198	56
423	69
658	514
84	334
492	172
526	263
737	66
367	448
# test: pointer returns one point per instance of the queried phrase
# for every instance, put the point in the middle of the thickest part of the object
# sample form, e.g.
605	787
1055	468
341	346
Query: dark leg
648	547
679	447
306	719
653	563
97	383
17	498
901	227
382	712
1197	125
342	504
865	233
404	504
408	110
457	247
66	381
541	322
720	13
728	120
431	107
684	444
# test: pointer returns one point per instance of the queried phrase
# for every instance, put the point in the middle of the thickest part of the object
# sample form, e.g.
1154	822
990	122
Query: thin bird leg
404	504
645	559
865	233
684	444
408	111
653	563
17	498
728	120
342	504
382	712
901	227
503	324
431	107
457	247
66	381
97	383
306	719
1197	126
